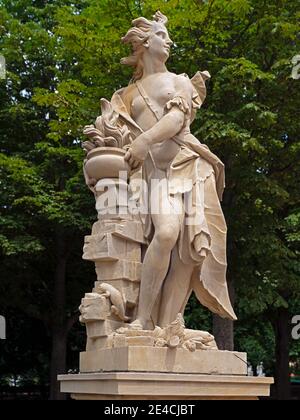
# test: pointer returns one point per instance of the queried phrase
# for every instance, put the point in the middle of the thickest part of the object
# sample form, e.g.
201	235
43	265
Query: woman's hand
138	151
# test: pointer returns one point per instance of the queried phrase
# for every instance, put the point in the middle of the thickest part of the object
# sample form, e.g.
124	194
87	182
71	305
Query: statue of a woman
186	252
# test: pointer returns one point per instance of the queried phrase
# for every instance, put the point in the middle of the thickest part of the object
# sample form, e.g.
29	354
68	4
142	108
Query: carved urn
106	162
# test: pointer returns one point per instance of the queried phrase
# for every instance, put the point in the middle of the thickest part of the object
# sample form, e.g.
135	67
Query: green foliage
197	317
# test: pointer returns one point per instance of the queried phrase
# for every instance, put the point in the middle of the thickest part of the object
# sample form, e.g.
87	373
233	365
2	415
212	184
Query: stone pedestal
147	373
163	360
163	386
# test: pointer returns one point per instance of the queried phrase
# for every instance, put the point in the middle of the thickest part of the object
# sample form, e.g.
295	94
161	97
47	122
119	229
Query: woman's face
159	43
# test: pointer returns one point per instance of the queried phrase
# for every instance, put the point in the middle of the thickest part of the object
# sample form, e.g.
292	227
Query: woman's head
147	35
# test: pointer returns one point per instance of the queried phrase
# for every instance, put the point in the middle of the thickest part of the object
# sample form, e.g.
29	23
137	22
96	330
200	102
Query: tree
45	205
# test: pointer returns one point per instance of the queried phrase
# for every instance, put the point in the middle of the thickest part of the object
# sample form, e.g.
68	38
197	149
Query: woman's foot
136	325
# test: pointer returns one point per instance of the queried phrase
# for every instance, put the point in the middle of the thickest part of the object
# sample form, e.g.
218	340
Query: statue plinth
139	371
163	386
138	357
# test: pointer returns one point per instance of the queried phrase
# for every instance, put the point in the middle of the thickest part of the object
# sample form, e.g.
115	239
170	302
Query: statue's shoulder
129	88
127	91
183	82
127	95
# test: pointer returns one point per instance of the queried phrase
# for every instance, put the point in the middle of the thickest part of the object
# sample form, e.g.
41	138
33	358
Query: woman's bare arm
170	125
163	130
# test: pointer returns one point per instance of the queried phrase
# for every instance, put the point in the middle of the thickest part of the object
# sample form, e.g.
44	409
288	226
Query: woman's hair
137	36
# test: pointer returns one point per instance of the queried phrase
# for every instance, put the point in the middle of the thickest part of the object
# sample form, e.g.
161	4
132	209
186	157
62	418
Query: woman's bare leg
156	265
167	223
176	290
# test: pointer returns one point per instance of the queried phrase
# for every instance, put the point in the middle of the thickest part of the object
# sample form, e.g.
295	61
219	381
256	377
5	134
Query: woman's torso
160	88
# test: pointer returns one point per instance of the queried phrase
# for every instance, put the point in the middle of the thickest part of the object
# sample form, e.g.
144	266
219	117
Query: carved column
115	248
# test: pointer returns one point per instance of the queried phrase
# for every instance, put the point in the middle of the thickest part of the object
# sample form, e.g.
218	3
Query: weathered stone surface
99	343
119	341
118	270
151	359
126	229
94	308
130	290
116	341
108	247
141	341
174	335
111	193
102	328
119	218
163	386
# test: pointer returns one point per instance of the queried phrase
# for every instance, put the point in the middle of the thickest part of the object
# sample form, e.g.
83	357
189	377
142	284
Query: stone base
163	386
155	359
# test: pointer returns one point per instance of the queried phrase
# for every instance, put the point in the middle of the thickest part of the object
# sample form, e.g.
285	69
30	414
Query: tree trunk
58	363
223	329
59	324
223	332
282	328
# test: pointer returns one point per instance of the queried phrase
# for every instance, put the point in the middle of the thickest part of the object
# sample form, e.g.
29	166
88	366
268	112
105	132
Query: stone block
140	341
99	343
118	270
94	308
102	328
108	247
153	359
126	229
119	341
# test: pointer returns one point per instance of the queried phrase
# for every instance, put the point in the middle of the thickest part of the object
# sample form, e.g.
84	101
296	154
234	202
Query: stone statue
144	132
180	258
160	235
